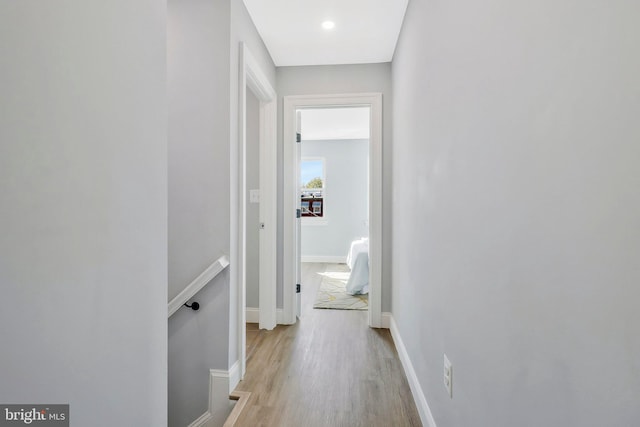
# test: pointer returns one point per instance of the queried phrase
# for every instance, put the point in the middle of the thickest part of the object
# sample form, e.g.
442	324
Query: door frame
291	196
253	78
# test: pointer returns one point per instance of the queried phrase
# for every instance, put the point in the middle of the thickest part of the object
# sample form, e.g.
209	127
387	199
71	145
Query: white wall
516	209
199	179
339	79
203	40
199	171
345	199
83	173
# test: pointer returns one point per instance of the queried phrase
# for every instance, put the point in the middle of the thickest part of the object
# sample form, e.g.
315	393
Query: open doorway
334	196
252	203
256	140
292	242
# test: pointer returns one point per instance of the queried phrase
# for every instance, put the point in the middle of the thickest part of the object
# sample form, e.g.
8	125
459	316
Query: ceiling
366	31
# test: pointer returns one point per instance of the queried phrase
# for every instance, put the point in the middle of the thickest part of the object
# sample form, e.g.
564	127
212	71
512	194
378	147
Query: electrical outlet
448	376
254	196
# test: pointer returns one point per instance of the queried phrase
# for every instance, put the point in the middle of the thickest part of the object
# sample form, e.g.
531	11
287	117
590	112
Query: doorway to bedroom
292	200
334	204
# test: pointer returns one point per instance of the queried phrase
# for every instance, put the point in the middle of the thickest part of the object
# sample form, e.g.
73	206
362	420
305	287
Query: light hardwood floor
329	369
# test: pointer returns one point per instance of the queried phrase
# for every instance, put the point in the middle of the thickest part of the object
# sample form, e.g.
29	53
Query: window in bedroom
312	190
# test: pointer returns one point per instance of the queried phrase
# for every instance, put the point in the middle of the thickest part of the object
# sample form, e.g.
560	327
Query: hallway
329	369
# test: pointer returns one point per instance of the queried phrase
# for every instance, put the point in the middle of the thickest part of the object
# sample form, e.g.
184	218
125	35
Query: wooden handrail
198	283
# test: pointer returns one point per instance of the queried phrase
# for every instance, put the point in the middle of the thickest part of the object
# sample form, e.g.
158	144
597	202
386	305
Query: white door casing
254	79
298	248
291	196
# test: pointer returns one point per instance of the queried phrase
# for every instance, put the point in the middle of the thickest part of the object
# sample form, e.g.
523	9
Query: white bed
358	262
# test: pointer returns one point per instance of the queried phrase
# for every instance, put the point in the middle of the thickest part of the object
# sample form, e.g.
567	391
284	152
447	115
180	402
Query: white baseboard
322	258
221	384
234	377
202	420
416	390
386	320
253	315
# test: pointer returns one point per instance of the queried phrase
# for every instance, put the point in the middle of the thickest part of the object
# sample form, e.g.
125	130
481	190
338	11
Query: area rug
332	293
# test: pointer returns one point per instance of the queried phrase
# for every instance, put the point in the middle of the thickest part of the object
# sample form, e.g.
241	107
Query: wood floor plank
329	369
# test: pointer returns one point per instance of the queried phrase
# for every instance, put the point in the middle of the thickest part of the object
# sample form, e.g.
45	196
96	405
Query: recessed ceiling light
328	25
